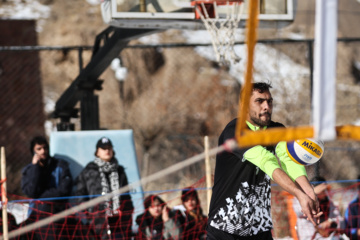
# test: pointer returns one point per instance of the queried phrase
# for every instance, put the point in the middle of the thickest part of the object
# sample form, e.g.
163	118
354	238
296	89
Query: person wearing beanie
193	220
45	177
158	222
111	219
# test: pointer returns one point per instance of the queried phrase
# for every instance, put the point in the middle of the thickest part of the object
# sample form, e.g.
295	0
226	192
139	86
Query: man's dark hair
261	86
38	140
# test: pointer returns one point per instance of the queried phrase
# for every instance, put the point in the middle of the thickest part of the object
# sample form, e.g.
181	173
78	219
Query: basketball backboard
180	14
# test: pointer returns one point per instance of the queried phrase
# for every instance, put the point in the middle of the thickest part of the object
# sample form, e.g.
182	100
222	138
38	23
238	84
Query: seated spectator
352	216
193	220
45	177
158	221
330	222
100	177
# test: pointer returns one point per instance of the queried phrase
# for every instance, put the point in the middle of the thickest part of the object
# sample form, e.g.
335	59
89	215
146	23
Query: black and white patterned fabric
248	212
241	198
108	170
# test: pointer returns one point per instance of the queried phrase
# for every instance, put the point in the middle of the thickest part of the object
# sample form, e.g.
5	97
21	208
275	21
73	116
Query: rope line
3	180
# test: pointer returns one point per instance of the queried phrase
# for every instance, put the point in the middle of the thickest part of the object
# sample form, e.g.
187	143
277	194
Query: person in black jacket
111	219
45	177
240	206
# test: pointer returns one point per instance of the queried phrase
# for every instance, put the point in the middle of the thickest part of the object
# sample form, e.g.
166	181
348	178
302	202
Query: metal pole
208	170
3	195
142	5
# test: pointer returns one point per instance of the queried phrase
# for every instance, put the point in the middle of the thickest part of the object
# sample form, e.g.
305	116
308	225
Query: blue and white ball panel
305	151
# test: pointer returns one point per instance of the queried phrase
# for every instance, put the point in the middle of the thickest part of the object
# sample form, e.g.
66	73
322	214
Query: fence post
3	195
208	170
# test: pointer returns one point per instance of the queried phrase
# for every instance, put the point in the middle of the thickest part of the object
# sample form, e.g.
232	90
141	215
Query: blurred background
167	87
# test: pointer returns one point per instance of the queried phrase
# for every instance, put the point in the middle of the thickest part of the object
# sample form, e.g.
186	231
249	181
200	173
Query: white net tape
222	30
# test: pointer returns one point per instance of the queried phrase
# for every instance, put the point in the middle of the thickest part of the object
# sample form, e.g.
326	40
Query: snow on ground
25	9
270	64
94	2
150	39
49	105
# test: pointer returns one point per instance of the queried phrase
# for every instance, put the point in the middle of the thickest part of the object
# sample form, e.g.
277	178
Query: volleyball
305	151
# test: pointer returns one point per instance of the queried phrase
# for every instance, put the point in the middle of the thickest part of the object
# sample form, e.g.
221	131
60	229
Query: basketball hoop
222	30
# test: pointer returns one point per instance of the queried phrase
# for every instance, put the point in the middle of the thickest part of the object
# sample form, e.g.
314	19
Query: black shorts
215	234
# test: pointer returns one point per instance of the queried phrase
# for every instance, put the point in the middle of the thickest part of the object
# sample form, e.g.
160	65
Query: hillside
173	97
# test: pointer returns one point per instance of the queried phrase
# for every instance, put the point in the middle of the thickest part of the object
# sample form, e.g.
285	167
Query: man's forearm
306	186
309	206
284	181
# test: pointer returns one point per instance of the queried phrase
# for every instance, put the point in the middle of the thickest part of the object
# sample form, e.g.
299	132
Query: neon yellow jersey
293	170
267	161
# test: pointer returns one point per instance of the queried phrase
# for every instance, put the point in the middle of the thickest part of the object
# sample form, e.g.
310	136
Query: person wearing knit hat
102	176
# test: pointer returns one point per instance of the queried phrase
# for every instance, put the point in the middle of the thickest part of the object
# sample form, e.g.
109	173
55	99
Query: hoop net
222	30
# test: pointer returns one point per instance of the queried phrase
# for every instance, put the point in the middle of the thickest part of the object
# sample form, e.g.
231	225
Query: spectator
193	220
330	222
45	177
100	177
352	216
158	221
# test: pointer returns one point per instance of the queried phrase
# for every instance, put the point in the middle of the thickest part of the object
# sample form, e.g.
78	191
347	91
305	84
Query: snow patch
28	9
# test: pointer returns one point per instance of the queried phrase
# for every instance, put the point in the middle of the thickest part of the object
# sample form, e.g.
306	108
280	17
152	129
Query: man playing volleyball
240	205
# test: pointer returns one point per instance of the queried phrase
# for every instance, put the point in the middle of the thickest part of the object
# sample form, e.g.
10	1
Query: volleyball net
81	225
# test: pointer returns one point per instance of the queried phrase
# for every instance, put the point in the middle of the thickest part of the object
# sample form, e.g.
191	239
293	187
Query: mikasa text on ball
305	151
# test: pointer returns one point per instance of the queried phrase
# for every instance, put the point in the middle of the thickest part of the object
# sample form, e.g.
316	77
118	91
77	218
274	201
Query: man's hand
36	158
303	192
308	189
310	208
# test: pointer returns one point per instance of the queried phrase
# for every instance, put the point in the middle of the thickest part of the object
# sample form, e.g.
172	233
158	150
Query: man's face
105	154
260	108
42	151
